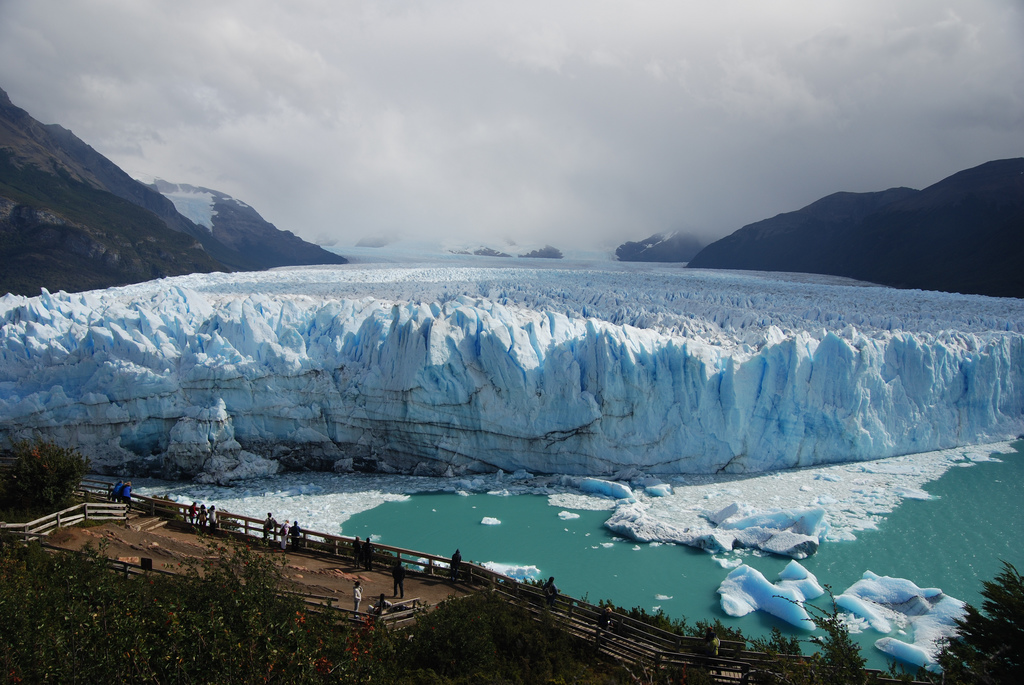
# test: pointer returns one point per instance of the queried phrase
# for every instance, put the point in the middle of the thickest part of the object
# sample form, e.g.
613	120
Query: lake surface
953	542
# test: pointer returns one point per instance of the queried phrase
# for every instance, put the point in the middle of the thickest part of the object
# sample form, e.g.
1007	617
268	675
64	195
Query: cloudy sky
585	122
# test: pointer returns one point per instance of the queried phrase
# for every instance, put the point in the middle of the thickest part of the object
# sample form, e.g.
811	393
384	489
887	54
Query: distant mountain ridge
71	219
963	234
660	247
238	226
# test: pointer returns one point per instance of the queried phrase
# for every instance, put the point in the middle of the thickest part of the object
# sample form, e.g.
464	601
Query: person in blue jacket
126	494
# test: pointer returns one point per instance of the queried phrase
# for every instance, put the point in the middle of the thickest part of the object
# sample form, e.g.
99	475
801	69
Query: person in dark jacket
269	528
115	493
456	560
551	592
126	494
296	535
368	554
381	606
398	574
357	552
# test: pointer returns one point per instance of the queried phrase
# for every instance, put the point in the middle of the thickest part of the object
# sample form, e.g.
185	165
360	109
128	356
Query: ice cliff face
447	371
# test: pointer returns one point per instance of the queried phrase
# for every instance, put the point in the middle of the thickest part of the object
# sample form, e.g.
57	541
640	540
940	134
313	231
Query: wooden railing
627	639
309	540
87	511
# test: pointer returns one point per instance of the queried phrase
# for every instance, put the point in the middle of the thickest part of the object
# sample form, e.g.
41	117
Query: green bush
44	476
989	647
68	618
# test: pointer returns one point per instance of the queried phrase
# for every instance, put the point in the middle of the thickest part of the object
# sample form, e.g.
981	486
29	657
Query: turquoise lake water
953	542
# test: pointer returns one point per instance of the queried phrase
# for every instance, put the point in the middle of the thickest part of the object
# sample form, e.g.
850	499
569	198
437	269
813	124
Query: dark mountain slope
962	234
62	234
673	247
71	219
803	240
240	227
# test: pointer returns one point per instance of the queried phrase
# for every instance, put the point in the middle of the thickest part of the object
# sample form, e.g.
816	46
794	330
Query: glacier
600	370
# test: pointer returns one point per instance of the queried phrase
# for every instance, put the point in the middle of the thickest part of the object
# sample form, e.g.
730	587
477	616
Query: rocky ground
172	546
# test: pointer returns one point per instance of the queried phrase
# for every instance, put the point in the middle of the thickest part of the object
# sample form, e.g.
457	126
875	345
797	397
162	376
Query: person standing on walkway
357	595
193	513
126	494
296	534
211	516
285	527
368	554
269	527
711	642
201	520
115	493
357	552
456	560
551	592
398	574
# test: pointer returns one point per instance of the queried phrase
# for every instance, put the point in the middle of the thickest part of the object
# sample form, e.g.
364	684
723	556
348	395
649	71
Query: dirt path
308	573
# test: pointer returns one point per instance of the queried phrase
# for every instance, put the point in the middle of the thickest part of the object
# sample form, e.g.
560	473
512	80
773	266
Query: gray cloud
554	122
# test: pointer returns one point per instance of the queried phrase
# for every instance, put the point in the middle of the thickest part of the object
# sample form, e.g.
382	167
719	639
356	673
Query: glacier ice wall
446	371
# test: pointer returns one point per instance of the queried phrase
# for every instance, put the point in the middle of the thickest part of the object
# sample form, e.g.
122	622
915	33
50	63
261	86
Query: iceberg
795	533
518	572
746	589
441	370
931	614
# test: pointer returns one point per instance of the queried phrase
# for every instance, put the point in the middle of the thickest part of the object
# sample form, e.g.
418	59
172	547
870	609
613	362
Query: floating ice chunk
567	515
932	615
799	578
490	521
898	593
661	490
725	562
607	544
912	493
865	610
662	598
904	651
745	590
606	488
516	571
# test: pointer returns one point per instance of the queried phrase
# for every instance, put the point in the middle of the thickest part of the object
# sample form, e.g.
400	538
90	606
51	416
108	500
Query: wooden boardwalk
633	643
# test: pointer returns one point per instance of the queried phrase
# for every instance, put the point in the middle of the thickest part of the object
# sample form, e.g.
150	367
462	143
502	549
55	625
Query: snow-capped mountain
446	370
233	223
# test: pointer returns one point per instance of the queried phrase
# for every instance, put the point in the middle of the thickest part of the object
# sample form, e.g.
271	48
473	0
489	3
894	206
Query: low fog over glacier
596	369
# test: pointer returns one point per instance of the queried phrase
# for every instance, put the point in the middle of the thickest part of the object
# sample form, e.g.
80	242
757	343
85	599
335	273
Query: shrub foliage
989	647
44	476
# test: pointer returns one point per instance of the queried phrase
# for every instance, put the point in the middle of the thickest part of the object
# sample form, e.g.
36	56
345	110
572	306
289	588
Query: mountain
546	252
61	225
238	226
661	247
963	234
70	219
